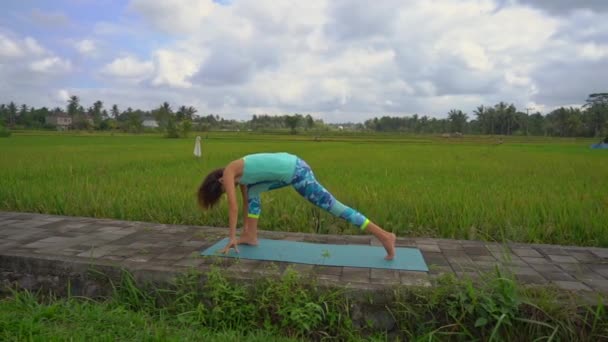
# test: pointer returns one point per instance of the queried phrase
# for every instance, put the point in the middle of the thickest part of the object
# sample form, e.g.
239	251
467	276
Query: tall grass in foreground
291	307
536	190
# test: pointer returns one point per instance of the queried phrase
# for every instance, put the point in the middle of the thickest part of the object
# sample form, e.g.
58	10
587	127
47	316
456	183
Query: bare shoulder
235	167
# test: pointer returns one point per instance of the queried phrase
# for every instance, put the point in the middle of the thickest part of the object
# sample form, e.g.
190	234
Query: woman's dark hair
211	189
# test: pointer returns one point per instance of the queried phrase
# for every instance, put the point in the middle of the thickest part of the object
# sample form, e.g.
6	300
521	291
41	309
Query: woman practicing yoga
260	172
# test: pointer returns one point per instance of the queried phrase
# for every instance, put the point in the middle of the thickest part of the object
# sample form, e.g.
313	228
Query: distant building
60	120
150	122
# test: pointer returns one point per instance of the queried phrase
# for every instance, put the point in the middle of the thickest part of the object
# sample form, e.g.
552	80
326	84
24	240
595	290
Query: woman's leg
254	209
308	187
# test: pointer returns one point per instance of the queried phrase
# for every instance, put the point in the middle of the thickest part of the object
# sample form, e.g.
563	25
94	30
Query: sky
338	60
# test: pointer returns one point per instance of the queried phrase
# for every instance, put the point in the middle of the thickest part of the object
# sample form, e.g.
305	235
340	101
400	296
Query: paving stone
547	268
450	246
526	252
559	276
142	258
435	259
428	247
411	278
454	253
531	279
302	269
600	269
402	242
523	270
571	285
331	278
244	265
328	270
189	262
56	224
436	269
177	247
600	253
486	258
477	251
486	265
574	268
583	256
552	251
537	261
597	284
355	274
98	252
497	248
267	269
384	276
562	259
459	260
468	275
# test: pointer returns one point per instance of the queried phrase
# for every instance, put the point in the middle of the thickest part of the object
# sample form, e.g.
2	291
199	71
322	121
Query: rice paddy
516	189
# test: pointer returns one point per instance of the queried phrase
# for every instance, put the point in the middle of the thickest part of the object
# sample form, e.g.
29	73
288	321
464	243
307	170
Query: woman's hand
231	243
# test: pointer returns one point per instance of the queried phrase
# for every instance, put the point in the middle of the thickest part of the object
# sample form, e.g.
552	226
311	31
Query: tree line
500	119
504	119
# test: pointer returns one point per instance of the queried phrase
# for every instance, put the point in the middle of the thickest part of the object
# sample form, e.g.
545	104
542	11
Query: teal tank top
266	167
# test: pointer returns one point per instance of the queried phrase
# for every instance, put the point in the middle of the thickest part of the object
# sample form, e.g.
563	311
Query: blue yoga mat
324	254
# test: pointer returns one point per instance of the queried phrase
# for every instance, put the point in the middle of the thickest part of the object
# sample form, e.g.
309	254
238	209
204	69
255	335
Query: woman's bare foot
389	244
247	239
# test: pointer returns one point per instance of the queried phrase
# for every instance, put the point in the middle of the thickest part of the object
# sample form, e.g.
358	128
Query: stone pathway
175	248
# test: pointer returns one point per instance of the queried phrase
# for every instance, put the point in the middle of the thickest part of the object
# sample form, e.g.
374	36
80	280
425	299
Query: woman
260	172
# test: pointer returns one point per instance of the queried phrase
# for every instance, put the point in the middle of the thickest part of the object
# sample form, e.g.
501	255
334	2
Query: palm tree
73	104
12	114
458	120
115	112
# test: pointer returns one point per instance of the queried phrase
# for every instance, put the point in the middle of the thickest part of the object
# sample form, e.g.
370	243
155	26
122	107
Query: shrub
4	132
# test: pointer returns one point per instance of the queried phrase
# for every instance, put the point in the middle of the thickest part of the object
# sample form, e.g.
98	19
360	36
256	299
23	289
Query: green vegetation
528	190
502	118
291	307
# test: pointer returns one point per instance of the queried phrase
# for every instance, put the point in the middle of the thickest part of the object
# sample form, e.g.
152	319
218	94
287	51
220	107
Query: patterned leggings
305	184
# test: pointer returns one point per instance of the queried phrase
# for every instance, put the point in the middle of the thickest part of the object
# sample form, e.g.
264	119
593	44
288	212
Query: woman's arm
229	187
245	204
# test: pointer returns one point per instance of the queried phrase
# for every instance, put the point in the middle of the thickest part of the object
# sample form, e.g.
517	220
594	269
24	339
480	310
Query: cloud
173	69
85	46
9	48
14	47
185	15
561	7
339	60
129	68
51	65
63	95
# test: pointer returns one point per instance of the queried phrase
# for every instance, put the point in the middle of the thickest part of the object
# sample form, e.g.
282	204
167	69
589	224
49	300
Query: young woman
256	173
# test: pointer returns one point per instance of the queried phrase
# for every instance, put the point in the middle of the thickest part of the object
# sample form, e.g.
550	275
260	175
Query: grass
525	189
291	308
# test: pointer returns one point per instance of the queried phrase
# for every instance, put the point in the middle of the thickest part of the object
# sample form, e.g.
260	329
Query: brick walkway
173	248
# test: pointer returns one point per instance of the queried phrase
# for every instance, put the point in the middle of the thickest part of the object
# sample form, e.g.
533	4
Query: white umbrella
197	147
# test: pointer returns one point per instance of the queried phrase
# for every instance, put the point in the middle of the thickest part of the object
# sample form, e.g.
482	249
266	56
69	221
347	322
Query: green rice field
512	188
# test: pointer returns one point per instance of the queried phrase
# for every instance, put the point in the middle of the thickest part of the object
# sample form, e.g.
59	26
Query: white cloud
174	68
51	65
177	16
594	51
33	47
129	67
9	48
342	59
62	95
85	46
